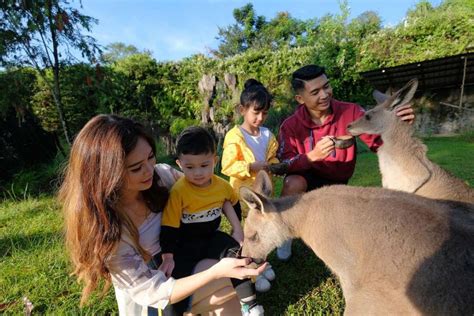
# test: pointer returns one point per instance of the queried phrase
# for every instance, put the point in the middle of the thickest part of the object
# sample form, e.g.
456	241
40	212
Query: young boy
192	216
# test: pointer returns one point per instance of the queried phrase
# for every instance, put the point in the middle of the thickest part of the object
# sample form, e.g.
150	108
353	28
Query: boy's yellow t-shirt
189	204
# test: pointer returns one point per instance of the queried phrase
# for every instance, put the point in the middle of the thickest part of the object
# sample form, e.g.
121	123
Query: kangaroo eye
254	237
368	117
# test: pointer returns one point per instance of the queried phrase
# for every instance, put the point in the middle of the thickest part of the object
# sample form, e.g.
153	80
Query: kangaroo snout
352	130
255	260
258	261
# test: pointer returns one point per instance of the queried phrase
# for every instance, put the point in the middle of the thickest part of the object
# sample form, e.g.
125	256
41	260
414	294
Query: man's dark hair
195	140
305	73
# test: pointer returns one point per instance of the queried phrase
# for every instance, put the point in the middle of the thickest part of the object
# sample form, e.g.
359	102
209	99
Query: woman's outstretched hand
236	268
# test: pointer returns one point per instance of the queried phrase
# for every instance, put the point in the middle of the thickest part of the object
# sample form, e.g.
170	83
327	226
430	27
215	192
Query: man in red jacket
305	138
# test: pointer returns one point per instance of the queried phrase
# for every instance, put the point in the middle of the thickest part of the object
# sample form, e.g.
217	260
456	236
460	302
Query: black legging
219	245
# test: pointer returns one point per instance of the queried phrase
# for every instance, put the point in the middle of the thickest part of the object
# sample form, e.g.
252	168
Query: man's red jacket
299	134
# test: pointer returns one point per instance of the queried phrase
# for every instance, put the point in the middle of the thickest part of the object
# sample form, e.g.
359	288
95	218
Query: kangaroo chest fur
401	170
393	176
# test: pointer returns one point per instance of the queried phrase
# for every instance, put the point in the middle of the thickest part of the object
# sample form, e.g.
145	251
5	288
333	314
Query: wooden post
463	81
206	87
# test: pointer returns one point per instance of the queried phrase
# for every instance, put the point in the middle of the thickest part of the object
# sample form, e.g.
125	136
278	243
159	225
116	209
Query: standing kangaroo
395	253
402	158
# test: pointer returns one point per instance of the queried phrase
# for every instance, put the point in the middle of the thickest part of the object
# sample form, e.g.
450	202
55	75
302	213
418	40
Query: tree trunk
59	105
56	86
60	147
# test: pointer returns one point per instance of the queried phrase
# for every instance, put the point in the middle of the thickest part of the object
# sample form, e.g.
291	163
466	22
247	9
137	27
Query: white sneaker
284	251
269	274
254	311
262	284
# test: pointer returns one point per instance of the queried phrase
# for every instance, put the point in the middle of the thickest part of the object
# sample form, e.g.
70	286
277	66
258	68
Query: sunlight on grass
34	262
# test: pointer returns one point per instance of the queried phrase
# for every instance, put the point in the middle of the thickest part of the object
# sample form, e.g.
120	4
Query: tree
283	30
43	34
138	82
427	32
254	31
118	51
240	36
22	140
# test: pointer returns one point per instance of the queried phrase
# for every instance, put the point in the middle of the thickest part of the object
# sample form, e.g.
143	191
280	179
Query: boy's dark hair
195	140
256	94
305	73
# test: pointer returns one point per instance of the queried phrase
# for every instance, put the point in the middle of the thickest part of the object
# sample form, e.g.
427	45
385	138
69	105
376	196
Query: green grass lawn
34	263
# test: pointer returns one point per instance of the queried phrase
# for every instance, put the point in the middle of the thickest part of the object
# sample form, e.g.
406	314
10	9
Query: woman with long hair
112	195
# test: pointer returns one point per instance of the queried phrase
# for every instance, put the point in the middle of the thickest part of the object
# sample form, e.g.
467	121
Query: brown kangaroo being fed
395	253
402	158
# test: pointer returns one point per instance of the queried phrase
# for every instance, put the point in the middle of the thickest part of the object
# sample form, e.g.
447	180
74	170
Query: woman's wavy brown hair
92	182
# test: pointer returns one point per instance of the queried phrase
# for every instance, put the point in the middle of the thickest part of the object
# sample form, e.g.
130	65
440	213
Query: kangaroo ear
254	200
379	97
263	184
404	95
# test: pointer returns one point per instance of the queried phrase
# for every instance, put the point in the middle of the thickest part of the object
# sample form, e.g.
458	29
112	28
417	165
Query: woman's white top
258	144
136	285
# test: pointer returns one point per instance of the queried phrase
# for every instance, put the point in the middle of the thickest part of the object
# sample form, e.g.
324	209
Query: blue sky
173	29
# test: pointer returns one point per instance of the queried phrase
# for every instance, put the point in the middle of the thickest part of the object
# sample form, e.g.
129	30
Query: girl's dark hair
255	94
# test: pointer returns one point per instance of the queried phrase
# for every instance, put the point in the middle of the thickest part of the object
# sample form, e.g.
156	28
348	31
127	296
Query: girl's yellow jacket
237	157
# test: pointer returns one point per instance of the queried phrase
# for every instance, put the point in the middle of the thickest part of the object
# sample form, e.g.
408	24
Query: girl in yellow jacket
249	148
